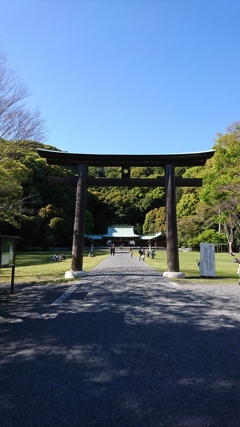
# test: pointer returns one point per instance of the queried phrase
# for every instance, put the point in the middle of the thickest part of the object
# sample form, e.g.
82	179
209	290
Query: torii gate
125	161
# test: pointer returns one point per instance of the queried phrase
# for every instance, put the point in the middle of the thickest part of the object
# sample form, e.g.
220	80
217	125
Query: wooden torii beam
127	182
167	161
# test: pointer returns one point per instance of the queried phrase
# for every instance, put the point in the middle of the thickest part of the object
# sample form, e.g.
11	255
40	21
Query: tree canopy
220	193
43	215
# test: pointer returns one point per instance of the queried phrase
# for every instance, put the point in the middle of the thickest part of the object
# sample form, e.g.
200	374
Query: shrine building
124	235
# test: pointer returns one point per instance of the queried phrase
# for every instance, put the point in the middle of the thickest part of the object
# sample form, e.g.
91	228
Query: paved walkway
122	347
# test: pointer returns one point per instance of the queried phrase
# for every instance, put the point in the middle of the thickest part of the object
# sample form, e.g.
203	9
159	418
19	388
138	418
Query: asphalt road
121	347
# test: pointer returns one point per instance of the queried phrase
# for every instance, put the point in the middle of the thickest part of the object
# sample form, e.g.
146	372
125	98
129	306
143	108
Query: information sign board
207	260
7	253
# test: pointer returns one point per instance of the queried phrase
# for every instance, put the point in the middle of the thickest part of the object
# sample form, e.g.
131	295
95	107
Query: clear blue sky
127	76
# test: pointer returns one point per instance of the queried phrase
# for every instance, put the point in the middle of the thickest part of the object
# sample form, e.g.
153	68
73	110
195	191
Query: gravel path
124	346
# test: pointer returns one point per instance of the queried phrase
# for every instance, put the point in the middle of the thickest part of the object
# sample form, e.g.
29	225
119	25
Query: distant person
131	252
55	257
140	253
149	250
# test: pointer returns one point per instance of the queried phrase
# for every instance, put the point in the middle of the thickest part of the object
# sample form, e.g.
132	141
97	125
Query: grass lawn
36	267
32	267
226	269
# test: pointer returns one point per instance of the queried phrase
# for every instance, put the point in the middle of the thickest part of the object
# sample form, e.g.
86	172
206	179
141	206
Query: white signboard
207	260
7	253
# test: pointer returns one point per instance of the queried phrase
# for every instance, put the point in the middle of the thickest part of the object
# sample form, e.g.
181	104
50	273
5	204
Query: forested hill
30	207
43	215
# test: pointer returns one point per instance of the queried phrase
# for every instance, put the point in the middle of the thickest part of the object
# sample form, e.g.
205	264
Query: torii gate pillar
171	225
79	225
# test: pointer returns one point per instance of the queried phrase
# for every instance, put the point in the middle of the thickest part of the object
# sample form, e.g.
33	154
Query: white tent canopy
151	236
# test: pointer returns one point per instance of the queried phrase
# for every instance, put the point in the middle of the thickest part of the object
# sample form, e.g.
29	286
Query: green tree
150	222
13	203
222	182
188	229
25	189
161	220
208	236
155	221
89	223
187	204
54	226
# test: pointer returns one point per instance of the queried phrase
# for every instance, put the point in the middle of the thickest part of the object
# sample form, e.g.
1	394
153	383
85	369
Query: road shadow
118	355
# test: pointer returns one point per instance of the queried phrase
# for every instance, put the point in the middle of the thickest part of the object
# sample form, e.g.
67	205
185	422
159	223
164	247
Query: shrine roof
64	158
93	236
123	231
120	231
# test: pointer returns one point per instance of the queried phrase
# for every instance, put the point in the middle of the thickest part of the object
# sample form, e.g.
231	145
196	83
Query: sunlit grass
226	269
34	267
